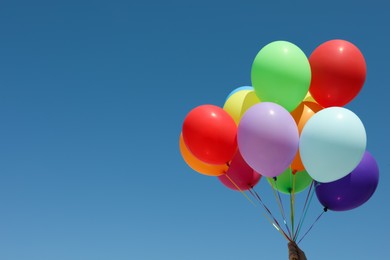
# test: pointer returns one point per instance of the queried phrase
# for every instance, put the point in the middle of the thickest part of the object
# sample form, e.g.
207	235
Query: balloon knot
325	209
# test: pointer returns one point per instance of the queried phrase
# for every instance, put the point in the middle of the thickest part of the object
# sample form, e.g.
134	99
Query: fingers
293	251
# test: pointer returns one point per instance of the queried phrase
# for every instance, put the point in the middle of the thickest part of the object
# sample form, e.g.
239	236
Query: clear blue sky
93	96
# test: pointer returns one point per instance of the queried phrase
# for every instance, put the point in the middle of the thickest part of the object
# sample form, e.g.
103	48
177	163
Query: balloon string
277	227
325	210
292	204
257	196
283	213
304	210
307	208
275	223
242	192
280	203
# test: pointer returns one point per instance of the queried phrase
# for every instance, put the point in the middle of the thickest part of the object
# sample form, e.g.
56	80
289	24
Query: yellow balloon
199	166
238	103
309	98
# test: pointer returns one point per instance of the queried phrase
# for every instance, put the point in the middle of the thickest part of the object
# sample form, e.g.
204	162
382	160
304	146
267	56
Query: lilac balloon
240	175
268	138
352	190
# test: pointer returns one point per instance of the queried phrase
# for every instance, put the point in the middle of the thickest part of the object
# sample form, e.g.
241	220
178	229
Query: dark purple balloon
352	190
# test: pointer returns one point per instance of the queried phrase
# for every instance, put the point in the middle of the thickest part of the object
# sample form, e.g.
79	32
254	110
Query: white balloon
332	144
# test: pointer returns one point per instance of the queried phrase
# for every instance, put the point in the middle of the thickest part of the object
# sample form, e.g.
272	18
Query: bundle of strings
295	253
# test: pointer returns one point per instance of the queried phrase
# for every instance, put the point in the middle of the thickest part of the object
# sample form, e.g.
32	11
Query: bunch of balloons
290	124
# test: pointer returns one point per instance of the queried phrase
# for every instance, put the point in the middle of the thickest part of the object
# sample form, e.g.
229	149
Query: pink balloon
268	138
240	175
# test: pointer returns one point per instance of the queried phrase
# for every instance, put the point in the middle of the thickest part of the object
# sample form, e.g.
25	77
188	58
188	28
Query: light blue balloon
332	144
239	89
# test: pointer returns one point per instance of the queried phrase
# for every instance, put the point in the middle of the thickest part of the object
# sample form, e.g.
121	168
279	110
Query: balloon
240	175
239	89
301	115
304	112
332	144
338	73
268	138
281	74
285	182
209	133
309	98
238	103
199	166
353	190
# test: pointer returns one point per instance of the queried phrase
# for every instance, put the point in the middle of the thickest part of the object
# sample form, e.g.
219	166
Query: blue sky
93	95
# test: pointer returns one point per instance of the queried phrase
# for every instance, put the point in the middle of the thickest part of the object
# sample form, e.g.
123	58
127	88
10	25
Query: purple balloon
352	190
268	138
240	174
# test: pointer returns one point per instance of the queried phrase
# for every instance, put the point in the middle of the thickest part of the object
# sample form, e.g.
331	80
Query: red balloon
240	176
210	134
338	73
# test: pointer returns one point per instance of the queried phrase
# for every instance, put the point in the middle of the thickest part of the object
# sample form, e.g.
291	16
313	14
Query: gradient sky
93	96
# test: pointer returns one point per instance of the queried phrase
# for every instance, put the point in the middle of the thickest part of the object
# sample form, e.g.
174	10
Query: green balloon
281	74
285	182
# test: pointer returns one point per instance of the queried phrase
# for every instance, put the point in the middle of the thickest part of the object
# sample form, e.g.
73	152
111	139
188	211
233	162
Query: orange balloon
301	115
199	166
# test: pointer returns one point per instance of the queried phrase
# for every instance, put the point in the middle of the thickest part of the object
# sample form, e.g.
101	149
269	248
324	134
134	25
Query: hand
294	252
